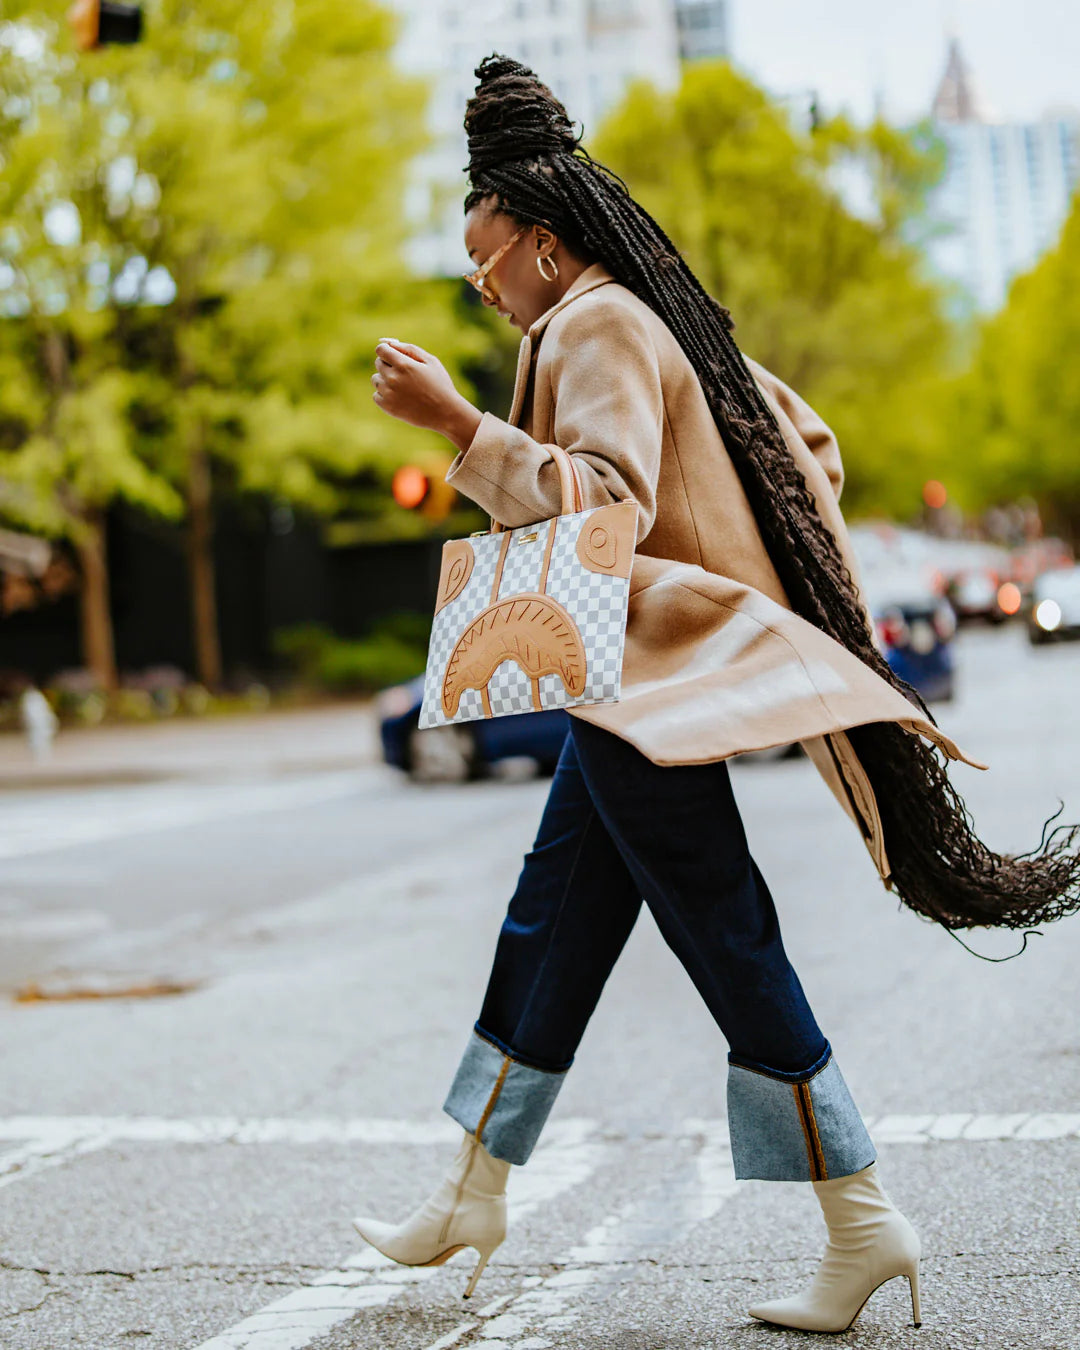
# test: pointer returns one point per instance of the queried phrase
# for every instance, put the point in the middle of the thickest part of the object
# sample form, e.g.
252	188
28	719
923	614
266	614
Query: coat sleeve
818	437
609	414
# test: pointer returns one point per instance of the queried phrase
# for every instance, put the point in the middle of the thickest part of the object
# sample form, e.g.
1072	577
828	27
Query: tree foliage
232	190
828	295
1013	418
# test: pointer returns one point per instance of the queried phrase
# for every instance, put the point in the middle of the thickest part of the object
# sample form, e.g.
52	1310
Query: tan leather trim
531	630
458	560
503	550
608	538
552	527
569	482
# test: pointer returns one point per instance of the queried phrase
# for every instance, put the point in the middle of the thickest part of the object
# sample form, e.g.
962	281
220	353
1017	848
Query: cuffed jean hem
787	1128
500	1100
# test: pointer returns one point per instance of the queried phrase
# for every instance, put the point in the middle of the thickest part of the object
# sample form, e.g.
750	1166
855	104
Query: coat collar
596	275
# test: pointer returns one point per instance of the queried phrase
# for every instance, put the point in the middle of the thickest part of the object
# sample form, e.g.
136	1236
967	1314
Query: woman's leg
679	832
573	910
569	918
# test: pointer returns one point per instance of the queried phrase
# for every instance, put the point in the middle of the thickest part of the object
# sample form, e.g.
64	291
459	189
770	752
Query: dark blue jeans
618	829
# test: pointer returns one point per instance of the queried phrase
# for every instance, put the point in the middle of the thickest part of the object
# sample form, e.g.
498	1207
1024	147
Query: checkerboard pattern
597	604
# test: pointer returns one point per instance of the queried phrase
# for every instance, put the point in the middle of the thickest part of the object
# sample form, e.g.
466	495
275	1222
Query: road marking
49	1148
886	1129
22	923
238	1130
571	1151
28	827
661	1215
369	1280
452	1337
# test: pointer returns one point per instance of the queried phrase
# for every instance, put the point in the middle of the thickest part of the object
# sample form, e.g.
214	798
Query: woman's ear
546	241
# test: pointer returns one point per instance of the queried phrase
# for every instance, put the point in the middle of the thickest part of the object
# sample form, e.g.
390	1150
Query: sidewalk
243	745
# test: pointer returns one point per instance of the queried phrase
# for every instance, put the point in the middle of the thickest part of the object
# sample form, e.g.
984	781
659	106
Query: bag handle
569	485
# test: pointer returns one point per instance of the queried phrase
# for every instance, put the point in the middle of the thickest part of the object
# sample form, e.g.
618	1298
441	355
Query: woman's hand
414	386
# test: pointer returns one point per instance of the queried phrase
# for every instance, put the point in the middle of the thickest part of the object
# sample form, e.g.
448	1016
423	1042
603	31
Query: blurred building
586	50
703	29
1006	191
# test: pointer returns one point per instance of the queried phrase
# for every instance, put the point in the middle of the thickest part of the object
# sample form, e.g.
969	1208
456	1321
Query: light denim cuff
503	1102
786	1129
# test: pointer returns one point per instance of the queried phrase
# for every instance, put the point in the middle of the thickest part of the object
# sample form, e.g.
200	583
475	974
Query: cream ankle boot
870	1242
467	1210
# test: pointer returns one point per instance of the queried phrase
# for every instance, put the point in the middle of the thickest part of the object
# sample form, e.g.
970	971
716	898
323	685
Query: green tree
831	299
254	211
1013	418
66	440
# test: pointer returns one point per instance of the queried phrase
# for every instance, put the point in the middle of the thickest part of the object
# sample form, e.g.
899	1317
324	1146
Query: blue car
916	634
465	750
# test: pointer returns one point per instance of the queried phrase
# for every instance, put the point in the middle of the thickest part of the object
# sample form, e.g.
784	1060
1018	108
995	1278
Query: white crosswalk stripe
30	826
570	1153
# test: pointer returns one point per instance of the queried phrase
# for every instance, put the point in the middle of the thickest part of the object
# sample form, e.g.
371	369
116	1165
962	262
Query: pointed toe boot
870	1242
467	1209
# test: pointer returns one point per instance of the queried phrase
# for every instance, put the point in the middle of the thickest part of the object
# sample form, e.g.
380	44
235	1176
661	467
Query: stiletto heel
467	1210
870	1243
476	1275
913	1285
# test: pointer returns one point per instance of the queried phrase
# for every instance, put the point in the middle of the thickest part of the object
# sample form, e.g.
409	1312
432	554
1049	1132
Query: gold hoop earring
540	261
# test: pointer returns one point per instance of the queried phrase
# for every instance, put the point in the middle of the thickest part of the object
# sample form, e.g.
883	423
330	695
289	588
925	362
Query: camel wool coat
716	663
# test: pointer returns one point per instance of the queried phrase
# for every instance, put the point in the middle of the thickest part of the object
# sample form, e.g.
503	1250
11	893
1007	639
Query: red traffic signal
410	486
100	23
416	489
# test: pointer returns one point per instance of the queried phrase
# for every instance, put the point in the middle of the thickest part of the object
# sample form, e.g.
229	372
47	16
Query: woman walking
746	629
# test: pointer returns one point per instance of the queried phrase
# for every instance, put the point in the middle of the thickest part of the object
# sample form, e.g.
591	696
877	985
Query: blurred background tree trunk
200	533
98	648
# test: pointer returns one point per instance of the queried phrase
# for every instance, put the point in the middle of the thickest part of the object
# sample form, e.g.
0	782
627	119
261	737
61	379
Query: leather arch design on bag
532	630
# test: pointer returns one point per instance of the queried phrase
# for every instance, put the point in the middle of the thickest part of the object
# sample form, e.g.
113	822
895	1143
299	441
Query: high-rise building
703	28
586	50
1006	191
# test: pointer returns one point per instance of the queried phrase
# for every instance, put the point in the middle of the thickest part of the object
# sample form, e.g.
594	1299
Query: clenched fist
414	386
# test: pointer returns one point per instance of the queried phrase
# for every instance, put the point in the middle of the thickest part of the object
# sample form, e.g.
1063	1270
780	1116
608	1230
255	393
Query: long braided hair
526	161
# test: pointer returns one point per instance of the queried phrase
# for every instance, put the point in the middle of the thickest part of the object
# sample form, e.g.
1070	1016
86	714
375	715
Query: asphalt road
179	1171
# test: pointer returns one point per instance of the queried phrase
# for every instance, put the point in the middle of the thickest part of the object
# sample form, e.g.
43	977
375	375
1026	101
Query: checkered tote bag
532	618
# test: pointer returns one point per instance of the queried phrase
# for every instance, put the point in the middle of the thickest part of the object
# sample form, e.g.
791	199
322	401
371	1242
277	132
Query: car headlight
1048	615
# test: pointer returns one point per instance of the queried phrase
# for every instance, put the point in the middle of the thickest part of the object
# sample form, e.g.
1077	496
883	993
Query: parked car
975	593
916	630
1055	606
466	749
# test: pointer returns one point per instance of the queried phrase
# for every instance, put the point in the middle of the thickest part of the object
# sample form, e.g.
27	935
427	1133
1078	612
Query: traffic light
424	490
935	494
100	23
